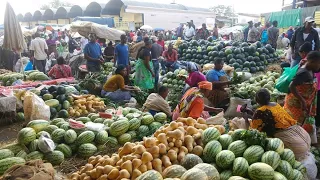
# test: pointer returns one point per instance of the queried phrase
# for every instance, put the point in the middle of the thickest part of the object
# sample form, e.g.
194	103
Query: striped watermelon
85	137
133	134
21	154
143	131
5	153
278	176
8	162
296	175
55	157
61	123
260	171
87	150
56	121
191	174
70	136
225	158
275	144
154	126
44	133
73	147
237	134
225	175
108	122
209	169
34	155
236	178
160	117
300	167
134	124
51	128
65	126
174	171
211	150
119	127
190	160
271	158
101	137
101	148
33	146
285	168
288	155
112	142
253	154
225	140
38	125
26	136
130	116
65	149
210	134
58	135
99	120
147	119
238	147
15	148
124	138
240	167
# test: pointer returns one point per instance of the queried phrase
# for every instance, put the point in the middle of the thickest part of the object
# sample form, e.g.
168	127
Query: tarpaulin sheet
287	18
309	11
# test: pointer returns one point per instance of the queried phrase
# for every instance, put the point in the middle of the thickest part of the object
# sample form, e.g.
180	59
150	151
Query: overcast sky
241	6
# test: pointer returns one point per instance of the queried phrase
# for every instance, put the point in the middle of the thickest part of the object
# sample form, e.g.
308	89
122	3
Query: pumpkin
193	174
191	160
174	171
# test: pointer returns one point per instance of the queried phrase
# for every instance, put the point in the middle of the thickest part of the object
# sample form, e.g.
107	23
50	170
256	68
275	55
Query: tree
224	11
55	4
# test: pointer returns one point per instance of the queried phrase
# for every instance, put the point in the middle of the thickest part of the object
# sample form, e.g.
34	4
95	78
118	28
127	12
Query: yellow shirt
114	83
282	119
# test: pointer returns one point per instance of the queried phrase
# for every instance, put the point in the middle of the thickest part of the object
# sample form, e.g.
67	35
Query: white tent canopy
146	27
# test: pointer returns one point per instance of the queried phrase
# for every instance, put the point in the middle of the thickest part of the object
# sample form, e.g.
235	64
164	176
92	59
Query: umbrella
146	27
13	38
158	29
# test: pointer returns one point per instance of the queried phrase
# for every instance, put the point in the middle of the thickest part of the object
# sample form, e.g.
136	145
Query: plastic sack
310	163
232	109
246	75
35	108
48	65
95	126
238	123
285	79
217	119
288	55
45	144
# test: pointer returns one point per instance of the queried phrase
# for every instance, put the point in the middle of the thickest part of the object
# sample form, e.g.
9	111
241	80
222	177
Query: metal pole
294	4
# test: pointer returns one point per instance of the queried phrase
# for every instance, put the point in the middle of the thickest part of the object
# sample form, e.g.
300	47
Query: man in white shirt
39	52
189	32
84	41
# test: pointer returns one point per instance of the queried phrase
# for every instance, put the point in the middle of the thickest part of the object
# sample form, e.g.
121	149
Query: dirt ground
8	133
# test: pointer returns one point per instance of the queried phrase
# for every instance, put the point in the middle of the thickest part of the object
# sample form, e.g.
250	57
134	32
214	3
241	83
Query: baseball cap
309	20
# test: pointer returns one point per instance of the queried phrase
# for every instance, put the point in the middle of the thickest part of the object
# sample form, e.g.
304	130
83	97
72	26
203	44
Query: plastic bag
217	119
310	163
285	79
48	65
95	126
45	144
232	109
35	108
238	123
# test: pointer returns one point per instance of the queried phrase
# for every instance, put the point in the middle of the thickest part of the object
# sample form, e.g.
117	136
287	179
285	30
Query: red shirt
131	34
60	71
170	57
161	43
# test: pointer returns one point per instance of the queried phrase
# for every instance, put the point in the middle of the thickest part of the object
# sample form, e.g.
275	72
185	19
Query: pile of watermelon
243	57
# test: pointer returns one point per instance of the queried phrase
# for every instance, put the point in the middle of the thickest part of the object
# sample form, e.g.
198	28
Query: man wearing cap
273	34
246	31
192	103
156	51
304	34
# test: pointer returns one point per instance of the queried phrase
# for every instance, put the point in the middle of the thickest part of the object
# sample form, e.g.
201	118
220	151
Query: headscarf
192	67
119	69
205	85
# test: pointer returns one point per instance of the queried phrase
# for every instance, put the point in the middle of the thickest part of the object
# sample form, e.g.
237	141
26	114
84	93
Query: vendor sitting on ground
220	80
272	119
115	89
60	70
156	102
194	75
170	58
192	103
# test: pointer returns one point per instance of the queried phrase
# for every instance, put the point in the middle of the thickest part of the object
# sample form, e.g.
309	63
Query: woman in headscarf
115	88
194	76
192	103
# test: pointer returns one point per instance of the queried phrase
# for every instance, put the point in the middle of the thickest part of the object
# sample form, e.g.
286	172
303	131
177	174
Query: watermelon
225	175
56	121
5	153
108	122
101	137
58	135
26	136
124	138
240	167
85	137
190	160
83	119
147	119
8	162
15	148
237	147
160	117
133	134
33	146
143	131
296	175
210	170
271	158
253	154
174	171
134	124
236	135
70	136
65	149
87	150
154	126
225	140
260	171
73	147
299	166
285	168
211	150
34	155
51	128
21	154
43	133
279	176
225	158
150	175
275	144
55	157
112	142
119	127
237	178
65	126
193	174
288	156
38	125
210	134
